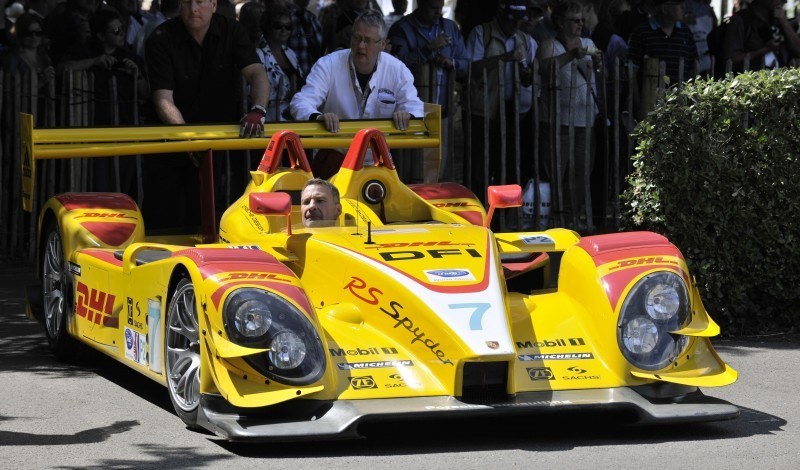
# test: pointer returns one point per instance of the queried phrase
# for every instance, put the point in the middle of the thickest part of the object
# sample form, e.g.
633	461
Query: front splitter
314	419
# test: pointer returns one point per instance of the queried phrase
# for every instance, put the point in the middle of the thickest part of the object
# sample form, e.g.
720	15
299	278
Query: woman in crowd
28	55
280	62
576	105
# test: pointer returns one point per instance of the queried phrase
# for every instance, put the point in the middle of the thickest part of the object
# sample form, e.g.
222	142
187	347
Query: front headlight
657	304
262	319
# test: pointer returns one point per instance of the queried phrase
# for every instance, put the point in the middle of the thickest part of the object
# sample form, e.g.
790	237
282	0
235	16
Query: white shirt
572	101
332	87
477	50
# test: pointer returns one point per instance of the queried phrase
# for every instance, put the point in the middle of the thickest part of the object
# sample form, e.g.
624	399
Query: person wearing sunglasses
280	62
27	55
362	82
568	100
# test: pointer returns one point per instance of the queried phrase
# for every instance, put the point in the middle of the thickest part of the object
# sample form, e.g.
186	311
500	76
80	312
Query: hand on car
331	121
401	119
252	124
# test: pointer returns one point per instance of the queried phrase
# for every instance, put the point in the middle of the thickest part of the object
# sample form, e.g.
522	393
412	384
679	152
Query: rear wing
77	142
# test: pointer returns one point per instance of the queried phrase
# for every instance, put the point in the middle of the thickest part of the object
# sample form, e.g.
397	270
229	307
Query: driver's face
318	207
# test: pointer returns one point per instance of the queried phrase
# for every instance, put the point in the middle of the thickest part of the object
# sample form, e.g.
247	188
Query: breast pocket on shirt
386	97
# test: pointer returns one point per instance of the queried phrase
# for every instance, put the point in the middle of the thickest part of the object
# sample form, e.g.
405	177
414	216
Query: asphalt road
96	414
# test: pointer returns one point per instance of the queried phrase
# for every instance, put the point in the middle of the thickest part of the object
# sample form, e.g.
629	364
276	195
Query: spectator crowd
186	61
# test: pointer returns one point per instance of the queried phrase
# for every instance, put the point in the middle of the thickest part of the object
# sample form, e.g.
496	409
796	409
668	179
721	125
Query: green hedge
717	172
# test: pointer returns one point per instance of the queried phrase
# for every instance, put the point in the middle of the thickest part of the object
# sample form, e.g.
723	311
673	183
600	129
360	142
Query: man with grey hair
362	82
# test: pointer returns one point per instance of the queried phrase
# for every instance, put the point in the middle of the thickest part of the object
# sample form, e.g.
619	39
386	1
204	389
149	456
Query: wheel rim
54	282
183	350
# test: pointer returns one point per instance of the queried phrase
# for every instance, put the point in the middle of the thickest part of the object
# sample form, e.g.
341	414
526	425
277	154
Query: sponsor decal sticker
406	255
74	268
374	365
244	247
361	351
134	320
94	305
537	240
105	215
492	344
499	405
357	285
540	373
449	275
363	383
576	373
135	346
555	357
551	343
254	276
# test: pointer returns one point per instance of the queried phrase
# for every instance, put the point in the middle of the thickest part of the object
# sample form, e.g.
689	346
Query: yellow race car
410	307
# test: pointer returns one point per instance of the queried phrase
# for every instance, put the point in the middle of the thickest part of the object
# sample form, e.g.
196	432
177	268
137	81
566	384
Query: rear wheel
182	347
57	295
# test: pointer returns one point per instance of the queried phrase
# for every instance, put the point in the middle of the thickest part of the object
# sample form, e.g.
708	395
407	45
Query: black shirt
206	80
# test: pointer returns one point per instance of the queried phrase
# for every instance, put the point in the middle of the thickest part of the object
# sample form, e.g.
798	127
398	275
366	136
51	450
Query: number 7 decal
476	319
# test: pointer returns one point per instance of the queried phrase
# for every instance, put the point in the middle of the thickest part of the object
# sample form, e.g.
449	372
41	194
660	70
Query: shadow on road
88	436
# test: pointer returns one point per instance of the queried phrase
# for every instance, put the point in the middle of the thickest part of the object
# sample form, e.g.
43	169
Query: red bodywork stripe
473	217
103	255
441	191
110	233
293	292
72	201
618	246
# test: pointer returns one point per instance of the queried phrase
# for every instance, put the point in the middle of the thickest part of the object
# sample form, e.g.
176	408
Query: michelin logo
555	357
374	365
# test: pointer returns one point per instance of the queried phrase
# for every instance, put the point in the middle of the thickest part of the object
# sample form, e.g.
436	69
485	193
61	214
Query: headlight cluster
260	319
657	304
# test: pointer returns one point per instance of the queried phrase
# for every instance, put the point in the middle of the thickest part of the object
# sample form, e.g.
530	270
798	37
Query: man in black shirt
195	63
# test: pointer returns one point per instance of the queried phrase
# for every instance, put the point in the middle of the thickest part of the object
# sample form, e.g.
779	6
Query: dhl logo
641	261
409	244
455	204
105	215
94	305
245	276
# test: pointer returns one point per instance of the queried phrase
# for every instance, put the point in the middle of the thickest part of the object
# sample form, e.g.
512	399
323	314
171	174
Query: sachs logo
449	272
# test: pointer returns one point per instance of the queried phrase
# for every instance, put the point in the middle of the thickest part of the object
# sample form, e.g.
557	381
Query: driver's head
319	203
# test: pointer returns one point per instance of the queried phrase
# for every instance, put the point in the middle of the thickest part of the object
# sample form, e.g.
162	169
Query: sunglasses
576	20
115	31
284	26
36	34
367	41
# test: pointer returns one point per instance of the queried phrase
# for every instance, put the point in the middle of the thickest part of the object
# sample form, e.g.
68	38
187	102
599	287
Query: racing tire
182	353
57	296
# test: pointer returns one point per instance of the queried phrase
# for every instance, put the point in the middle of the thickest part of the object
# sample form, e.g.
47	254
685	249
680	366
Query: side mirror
277	203
501	197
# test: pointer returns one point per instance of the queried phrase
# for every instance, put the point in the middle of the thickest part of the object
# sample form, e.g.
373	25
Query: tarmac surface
98	414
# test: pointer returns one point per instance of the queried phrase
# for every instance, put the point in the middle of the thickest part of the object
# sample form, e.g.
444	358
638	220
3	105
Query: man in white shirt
362	82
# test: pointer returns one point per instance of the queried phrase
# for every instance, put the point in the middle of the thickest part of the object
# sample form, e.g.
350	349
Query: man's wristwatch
260	109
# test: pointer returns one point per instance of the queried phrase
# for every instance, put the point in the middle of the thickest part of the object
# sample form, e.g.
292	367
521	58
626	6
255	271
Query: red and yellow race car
410	307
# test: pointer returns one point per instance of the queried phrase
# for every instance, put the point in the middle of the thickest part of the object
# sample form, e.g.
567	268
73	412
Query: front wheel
182	347
57	296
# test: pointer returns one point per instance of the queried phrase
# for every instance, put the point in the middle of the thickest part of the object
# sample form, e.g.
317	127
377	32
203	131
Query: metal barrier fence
609	146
